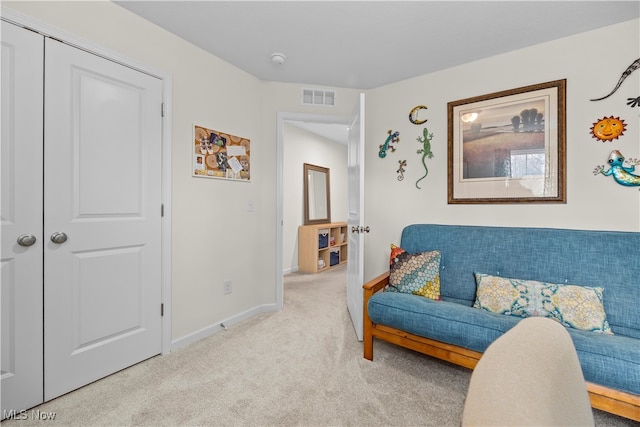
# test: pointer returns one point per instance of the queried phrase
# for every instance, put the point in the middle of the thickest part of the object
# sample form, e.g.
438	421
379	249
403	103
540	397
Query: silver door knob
355	229
26	239
58	237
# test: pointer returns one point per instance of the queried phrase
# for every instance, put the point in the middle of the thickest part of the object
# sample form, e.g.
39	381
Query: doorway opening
313	123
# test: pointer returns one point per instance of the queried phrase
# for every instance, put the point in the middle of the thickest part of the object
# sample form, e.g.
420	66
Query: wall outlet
228	286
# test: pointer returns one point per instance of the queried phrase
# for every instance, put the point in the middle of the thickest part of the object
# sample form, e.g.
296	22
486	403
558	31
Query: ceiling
367	44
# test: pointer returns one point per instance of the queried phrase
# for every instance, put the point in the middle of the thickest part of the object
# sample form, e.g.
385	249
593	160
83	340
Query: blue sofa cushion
439	320
608	360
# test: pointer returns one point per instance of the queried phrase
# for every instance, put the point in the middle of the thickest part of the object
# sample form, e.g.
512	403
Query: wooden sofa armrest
376	284
370	288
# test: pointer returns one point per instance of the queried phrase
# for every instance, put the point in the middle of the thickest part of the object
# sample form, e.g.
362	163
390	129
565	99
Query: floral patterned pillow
578	307
417	274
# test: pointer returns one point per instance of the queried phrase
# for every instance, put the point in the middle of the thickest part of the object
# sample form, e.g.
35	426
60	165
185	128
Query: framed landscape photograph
509	146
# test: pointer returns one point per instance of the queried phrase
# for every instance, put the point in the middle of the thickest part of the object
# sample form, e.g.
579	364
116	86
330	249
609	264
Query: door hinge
161	309
162	210
162	109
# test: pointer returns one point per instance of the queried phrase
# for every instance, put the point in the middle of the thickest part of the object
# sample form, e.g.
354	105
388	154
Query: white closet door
21	213
102	182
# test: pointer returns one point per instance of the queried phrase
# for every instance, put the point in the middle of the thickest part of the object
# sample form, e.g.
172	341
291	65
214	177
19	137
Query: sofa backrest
607	259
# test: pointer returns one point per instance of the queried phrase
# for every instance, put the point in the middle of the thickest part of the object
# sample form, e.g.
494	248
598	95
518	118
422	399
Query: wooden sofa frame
603	398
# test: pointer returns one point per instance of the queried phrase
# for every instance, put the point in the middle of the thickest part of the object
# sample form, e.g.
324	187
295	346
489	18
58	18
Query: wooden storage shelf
310	249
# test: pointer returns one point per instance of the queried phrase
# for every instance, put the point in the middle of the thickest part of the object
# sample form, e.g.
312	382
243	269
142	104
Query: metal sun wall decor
621	174
608	128
632	102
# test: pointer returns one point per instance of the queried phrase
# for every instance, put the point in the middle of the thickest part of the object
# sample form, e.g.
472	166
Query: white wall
593	202
301	147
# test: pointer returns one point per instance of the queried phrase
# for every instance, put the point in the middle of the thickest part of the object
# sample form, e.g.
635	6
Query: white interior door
21	213
102	205
355	255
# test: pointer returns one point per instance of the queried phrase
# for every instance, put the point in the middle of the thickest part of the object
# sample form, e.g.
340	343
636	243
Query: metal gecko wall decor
392	138
425	151
633	102
400	171
622	174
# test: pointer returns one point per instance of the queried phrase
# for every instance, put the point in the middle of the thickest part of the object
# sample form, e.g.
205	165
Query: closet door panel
21	216
102	205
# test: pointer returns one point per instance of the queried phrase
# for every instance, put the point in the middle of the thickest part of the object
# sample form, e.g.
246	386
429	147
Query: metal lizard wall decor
630	69
621	174
394	137
400	171
633	102
425	151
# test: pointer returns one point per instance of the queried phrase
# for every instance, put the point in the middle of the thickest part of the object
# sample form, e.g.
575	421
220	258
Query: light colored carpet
301	366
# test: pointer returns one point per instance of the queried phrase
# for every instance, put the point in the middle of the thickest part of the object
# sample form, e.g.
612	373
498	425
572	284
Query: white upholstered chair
530	376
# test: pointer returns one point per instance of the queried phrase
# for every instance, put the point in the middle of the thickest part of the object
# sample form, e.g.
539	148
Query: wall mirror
317	197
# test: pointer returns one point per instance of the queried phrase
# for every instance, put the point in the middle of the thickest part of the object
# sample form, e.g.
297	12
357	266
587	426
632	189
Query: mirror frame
309	221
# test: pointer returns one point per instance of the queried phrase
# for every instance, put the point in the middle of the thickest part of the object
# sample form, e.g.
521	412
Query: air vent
319	97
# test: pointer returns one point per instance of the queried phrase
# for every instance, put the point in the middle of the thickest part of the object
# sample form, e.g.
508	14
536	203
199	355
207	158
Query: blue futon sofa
452	329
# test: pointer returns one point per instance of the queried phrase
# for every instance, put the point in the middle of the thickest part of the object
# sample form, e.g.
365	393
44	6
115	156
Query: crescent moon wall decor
414	113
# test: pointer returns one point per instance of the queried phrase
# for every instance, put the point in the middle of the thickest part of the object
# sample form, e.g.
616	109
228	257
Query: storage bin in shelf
334	256
323	238
322	246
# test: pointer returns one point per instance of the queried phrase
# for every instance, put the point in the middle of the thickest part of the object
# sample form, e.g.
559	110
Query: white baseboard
220	326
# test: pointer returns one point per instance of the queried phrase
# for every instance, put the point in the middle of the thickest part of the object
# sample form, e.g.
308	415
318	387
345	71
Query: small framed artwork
220	155
509	146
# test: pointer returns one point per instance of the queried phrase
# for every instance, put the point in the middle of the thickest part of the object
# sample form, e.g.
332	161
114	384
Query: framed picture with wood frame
509	146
